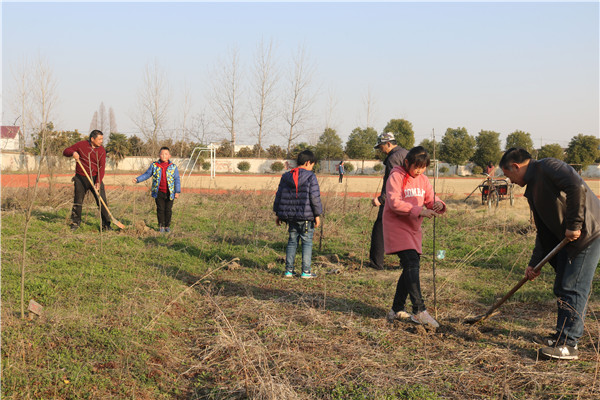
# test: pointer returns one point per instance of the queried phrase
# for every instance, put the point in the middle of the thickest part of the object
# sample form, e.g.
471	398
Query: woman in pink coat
410	198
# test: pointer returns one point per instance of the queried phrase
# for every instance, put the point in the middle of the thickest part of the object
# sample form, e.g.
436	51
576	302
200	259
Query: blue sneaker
161	230
307	275
167	230
288	274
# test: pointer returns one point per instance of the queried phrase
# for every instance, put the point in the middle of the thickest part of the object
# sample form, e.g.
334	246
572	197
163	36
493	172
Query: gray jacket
394	158
559	200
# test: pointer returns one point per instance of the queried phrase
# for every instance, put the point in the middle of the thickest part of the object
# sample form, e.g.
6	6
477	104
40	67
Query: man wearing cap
386	142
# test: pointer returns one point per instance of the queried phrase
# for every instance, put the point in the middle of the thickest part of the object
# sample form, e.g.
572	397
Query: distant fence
13	161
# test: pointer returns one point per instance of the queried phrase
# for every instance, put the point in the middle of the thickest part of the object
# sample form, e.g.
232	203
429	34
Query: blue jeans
572	287
299	230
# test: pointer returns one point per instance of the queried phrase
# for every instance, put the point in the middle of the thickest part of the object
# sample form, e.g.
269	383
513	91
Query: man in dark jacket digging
92	156
386	143
563	206
298	203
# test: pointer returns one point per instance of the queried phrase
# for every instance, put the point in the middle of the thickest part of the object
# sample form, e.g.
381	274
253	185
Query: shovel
114	220
536	269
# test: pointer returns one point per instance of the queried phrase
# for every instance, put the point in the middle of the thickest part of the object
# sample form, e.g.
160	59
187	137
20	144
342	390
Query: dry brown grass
292	339
246	333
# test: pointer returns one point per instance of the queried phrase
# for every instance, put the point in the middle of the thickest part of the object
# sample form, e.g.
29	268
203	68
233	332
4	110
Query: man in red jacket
92	156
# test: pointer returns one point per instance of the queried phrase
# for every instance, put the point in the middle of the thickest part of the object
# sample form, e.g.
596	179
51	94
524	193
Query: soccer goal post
191	164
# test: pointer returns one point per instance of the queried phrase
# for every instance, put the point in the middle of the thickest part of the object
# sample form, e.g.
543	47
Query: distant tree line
279	96
118	145
456	147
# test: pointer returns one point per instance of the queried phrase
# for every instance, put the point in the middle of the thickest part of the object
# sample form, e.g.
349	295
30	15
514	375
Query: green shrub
245	152
277	166
243	166
317	167
206	165
378	167
348	167
477	170
198	163
443	170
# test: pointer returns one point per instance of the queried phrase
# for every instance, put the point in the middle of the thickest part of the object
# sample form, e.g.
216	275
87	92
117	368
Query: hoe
538	267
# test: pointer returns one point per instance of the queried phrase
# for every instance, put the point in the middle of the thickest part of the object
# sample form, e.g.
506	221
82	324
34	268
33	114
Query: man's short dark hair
305	156
514	155
164	148
95	133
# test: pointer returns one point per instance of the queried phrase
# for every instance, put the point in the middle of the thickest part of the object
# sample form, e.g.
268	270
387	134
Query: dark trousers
341	177
164	207
377	250
82	185
409	283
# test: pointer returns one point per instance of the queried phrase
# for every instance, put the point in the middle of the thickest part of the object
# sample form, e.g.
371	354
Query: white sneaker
424	318
392	315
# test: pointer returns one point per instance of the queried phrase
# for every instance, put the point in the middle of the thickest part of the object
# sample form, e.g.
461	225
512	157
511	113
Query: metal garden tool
537	268
114	220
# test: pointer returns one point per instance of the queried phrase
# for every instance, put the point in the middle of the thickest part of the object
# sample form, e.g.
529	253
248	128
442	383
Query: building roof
10	132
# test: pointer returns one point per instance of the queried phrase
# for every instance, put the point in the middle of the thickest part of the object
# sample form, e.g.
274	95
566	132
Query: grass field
204	313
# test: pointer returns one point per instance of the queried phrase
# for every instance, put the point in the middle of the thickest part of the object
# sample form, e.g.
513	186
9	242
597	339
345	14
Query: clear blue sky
492	66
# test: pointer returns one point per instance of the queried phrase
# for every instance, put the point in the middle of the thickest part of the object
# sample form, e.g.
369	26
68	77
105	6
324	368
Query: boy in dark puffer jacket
298	203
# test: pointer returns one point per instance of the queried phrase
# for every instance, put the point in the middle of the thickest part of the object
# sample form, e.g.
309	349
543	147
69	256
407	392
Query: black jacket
394	158
301	202
559	200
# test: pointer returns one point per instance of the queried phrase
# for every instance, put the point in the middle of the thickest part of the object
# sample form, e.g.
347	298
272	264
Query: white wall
592	171
10	144
14	161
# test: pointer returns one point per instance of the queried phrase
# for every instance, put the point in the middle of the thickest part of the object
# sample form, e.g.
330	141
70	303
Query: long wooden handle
536	269
95	190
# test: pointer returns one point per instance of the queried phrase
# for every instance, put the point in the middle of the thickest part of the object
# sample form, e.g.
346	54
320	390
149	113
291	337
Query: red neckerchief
295	173
405	180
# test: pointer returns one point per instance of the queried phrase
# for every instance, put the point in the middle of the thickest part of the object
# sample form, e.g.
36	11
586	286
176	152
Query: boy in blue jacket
298	203
165	187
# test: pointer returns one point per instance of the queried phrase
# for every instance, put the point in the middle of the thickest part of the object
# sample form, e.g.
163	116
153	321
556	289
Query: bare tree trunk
300	99
94	123
31	197
226	93
332	102
44	98
201	129
103	120
112	121
265	80
22	106
369	104
153	102
187	105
